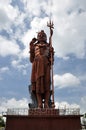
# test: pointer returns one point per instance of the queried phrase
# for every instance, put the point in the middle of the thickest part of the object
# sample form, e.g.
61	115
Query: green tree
84	121
2	123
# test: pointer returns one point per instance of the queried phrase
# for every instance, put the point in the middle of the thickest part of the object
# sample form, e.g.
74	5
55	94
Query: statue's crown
42	36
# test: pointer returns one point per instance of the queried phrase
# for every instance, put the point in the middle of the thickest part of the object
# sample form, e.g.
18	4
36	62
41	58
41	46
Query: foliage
85	115
84	121
2	123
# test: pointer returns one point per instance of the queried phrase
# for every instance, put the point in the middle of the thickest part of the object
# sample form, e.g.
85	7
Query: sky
20	20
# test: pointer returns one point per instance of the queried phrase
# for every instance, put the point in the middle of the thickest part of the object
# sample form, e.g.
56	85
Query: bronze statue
40	57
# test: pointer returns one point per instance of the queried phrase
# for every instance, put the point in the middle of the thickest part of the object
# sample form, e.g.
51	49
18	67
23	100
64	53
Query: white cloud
27	37
7	14
34	7
36	21
12	103
4	69
8	47
70	36
4	20
23	103
19	66
35	27
69	29
71	108
66	80
25	52
65	104
82	77
69	32
3	2
15	63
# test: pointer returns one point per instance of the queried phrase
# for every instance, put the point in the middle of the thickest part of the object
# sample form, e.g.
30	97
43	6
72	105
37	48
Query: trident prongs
50	24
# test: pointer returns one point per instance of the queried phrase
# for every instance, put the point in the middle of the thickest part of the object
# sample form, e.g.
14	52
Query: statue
40	57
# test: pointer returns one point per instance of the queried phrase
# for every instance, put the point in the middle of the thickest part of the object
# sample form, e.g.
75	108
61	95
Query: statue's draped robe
40	58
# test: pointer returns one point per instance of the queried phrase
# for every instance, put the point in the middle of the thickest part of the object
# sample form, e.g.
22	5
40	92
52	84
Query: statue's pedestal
43	121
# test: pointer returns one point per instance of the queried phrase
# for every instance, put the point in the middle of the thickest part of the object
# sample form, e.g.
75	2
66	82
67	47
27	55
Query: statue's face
42	36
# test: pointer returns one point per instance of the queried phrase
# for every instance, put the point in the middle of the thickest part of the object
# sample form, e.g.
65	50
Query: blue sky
20	20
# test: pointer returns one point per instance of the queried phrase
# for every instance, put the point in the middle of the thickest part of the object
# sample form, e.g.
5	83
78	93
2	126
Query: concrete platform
43	121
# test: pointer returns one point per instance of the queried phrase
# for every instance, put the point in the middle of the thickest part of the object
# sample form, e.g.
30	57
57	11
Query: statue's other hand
34	40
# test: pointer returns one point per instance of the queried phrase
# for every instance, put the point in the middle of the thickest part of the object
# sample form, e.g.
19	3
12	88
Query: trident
50	25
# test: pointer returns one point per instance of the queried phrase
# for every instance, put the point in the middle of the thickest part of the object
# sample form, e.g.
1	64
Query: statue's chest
41	49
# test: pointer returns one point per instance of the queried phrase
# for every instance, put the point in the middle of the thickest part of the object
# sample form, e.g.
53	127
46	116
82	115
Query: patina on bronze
41	54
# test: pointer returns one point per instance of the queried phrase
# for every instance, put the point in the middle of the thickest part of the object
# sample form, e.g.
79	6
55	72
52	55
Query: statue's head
42	37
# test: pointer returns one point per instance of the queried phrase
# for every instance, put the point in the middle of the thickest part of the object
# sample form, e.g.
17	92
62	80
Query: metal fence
69	111
17	111
25	111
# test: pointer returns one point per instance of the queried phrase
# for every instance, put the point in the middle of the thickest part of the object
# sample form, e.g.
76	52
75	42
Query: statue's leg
47	95
39	100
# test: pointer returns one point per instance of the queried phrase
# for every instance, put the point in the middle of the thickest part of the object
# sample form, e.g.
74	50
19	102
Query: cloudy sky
20	20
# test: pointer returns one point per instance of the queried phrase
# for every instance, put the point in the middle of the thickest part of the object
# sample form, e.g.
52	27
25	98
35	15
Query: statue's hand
34	40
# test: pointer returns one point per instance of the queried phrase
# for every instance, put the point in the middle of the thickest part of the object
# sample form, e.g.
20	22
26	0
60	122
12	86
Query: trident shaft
50	25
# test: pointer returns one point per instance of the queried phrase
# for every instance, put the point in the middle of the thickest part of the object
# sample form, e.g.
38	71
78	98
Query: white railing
17	111
25	111
69	111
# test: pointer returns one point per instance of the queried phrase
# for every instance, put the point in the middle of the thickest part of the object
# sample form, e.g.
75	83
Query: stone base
42	111
47	120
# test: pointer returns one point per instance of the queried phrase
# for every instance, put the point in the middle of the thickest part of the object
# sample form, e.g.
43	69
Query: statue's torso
42	49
